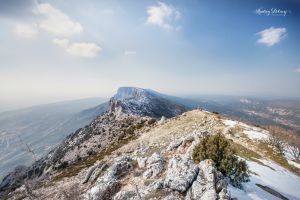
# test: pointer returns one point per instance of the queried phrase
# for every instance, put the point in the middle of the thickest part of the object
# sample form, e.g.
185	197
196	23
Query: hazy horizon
55	51
4	106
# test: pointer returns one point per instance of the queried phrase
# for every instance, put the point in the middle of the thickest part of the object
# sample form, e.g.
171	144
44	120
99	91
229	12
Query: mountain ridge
128	153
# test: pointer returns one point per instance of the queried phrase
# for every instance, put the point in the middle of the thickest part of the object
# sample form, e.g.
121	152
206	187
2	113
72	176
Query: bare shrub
285	141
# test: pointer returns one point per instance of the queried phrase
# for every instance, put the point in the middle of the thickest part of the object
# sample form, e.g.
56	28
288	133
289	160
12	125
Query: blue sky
58	50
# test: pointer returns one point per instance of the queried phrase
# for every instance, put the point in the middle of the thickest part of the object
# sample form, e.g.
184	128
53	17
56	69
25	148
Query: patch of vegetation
220	150
245	152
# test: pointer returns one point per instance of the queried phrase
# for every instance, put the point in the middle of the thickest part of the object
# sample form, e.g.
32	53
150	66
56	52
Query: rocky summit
133	152
144	102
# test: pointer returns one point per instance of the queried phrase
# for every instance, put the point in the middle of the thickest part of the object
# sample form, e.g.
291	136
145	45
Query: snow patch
256	135
252	132
230	123
274	176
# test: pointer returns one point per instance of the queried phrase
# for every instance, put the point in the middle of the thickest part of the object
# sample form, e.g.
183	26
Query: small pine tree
219	149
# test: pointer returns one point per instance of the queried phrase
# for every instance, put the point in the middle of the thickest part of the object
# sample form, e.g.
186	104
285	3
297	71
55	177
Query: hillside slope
157	164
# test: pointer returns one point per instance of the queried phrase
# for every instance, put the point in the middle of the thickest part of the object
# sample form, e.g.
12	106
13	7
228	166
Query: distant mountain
145	102
42	127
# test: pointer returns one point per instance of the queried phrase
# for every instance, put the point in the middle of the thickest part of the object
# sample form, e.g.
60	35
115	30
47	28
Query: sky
60	50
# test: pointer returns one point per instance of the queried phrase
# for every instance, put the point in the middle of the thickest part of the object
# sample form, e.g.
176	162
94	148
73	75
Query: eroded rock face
181	173
209	184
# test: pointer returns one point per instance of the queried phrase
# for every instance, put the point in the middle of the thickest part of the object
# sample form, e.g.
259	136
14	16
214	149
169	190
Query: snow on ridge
252	132
256	135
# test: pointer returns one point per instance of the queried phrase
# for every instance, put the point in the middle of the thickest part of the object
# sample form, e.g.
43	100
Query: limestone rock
204	187
181	173
155	165
107	185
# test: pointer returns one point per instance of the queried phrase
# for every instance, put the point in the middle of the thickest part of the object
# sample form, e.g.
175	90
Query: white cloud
163	15
55	21
271	36
129	53
26	30
83	49
297	70
80	49
63	43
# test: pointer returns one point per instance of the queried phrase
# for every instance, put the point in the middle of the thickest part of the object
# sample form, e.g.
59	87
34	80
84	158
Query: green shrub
219	149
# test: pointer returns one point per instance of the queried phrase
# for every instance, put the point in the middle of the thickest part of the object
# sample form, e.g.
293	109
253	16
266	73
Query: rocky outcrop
181	173
154	166
183	178
209	184
108	185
